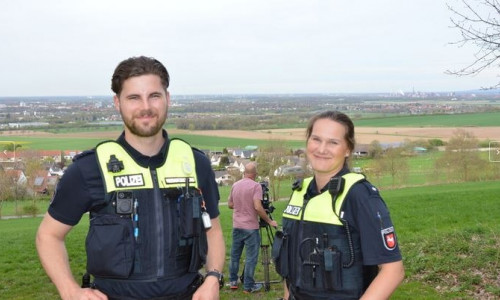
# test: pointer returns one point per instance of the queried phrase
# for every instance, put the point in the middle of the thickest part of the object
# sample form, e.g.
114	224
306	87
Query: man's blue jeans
250	239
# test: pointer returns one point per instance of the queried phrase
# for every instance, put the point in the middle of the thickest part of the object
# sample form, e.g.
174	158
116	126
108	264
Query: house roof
15	174
9	155
361	148
6	155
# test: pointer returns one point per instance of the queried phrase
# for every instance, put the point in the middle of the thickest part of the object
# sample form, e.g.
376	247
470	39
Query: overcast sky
57	48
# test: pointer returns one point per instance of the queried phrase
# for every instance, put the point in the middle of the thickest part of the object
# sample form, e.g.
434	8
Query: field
449	236
294	137
484	126
488	119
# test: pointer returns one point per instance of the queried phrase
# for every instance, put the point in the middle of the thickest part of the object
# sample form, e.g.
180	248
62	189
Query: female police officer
338	241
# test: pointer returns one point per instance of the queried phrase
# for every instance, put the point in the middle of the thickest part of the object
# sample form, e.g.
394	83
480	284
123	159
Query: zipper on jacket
300	234
160	237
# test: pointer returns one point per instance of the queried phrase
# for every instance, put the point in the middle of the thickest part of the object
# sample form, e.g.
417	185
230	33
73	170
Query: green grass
218	143
52	143
420	171
198	141
449	236
16	208
444	120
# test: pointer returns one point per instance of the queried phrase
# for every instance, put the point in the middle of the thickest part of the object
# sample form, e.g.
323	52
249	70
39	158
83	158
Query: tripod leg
265	264
242	276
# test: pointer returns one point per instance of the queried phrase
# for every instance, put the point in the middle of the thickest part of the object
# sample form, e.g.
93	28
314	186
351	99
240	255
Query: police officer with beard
152	202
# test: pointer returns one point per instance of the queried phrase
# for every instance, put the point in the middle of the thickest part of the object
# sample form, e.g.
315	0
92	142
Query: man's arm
390	275
54	258
215	261
262	213
230	202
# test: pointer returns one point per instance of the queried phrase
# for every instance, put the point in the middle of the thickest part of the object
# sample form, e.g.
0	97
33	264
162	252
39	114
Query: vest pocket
332	267
189	216
198	253
321	268
279	253
110	247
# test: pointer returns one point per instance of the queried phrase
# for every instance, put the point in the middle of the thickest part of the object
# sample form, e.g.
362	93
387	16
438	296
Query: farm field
449	235
294	137
486	119
485	126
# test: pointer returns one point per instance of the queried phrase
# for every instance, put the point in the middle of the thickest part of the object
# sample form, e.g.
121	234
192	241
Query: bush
436	142
484	143
31	209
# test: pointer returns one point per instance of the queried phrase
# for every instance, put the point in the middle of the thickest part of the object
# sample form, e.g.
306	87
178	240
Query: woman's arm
390	275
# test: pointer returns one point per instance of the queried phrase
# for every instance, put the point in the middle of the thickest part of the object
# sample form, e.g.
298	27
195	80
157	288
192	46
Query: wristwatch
219	276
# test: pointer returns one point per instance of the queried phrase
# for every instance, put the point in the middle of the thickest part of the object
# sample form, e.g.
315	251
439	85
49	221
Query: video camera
266	204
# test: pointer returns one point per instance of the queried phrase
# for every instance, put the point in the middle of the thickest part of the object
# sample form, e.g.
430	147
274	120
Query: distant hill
257	97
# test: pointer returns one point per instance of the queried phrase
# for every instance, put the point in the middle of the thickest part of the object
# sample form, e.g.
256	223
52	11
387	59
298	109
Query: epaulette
83	154
297	184
372	190
198	150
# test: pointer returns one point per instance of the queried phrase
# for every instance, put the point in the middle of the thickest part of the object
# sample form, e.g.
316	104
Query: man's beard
143	131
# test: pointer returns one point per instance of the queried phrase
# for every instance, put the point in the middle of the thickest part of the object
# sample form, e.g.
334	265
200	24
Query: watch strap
218	275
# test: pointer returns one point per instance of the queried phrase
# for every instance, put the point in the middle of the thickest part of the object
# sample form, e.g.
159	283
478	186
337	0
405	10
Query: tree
11	146
224	160
375	149
5	188
32	165
461	159
394	163
479	25
269	158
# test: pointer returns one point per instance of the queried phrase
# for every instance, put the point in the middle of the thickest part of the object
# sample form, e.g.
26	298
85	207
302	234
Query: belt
186	295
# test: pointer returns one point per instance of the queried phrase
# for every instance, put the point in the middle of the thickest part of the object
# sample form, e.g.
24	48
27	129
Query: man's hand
87	294
273	223
209	290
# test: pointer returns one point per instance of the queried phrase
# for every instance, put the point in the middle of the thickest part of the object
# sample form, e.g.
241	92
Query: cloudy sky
58	48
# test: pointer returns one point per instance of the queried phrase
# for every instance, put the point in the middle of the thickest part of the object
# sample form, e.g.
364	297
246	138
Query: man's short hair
137	66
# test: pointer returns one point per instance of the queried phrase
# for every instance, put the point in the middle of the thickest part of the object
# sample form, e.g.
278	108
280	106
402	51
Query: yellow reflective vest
149	226
319	255
319	208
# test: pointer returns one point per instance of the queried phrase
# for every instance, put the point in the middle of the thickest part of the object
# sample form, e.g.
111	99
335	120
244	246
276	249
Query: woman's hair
137	66
338	117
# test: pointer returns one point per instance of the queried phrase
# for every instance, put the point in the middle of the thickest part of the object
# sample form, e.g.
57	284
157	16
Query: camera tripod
266	233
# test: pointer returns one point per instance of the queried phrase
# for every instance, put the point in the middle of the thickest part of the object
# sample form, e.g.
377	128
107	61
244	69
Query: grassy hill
449	235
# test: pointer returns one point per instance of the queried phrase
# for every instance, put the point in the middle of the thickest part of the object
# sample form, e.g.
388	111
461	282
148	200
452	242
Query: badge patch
129	180
389	238
187	168
292	210
177	180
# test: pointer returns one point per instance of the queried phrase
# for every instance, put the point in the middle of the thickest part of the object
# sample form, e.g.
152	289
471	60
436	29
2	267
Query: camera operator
245	199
